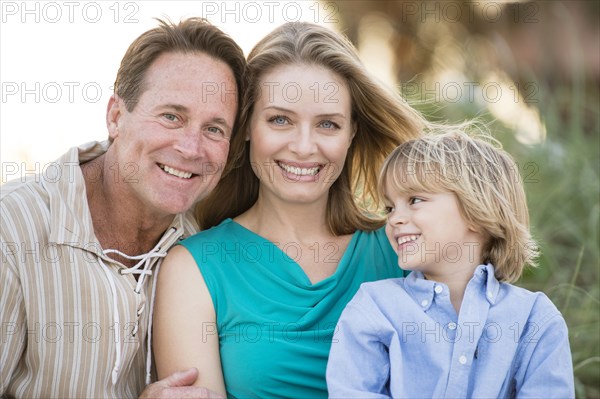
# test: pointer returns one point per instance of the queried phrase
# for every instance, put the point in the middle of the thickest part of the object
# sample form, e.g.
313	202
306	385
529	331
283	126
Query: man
79	244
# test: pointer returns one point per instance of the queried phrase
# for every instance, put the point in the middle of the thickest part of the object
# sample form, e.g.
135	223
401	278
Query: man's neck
119	222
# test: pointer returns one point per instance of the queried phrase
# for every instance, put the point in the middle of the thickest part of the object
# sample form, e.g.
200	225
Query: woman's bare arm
185	331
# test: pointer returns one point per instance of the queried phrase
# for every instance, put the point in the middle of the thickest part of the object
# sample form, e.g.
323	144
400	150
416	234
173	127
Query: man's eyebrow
221	121
176	107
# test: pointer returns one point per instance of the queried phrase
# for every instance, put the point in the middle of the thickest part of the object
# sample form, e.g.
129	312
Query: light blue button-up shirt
402	338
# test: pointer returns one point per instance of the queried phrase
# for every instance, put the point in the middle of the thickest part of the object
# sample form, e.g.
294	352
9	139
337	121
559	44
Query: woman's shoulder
225	229
374	236
374	243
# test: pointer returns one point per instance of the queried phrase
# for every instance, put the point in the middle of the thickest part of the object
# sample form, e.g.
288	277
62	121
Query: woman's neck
317	251
287	220
283	220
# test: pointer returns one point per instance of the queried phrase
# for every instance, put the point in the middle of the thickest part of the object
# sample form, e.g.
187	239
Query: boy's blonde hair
485	180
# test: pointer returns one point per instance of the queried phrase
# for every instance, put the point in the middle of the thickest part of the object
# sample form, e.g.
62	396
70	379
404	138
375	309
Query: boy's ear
476	229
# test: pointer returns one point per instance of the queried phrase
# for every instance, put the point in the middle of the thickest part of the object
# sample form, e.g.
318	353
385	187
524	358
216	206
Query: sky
59	59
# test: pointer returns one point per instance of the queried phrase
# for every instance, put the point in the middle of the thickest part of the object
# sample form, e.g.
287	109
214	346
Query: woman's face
300	132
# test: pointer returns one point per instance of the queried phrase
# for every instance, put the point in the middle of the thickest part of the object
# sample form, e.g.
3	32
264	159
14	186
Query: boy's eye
388	209
414	200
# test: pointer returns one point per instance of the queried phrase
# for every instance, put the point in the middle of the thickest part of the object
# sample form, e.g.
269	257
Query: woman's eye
279	120
329	125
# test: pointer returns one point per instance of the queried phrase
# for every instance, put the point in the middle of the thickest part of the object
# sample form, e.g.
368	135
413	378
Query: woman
253	301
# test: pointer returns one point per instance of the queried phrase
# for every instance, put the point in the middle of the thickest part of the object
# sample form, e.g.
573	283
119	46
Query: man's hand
178	385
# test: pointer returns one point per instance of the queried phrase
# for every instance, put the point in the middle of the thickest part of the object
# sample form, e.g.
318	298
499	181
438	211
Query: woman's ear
354	128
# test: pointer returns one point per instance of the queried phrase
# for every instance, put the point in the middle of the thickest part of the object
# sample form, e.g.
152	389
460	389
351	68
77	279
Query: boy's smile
429	234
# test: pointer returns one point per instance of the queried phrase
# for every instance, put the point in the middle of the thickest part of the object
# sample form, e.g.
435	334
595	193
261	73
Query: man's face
171	149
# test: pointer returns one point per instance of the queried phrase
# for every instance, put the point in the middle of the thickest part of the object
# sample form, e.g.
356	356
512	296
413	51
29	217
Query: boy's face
429	234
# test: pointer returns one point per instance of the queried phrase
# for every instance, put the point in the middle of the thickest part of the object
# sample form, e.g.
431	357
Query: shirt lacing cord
145	260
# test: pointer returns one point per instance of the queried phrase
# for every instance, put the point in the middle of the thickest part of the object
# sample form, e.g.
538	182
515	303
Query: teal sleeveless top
275	327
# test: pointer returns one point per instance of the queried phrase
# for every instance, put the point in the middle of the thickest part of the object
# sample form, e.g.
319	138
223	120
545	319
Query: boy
454	327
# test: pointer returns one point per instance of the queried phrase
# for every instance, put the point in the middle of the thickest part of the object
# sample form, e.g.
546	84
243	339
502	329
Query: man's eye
216	133
171	117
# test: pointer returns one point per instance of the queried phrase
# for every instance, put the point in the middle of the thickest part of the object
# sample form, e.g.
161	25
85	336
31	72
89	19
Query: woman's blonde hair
382	121
485	180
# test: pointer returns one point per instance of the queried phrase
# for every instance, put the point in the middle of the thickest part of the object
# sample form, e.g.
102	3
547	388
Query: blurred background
529	70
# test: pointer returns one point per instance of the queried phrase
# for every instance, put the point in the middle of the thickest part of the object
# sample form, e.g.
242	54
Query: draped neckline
297	270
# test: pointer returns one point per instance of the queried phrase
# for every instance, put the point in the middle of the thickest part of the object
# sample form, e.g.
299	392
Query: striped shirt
72	324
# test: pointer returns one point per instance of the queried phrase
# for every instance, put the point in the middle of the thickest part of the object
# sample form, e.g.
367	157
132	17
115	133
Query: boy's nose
397	216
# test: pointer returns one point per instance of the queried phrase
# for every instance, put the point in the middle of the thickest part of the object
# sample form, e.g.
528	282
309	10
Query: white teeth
175	172
404	239
299	171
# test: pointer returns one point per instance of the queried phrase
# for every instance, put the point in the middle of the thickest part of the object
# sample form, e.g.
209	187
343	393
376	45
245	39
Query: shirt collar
486	277
420	289
423	291
71	220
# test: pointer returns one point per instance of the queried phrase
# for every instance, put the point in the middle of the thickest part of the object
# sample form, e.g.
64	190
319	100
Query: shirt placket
139	302
471	323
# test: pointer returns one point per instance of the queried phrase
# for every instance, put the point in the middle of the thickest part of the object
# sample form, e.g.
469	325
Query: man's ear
113	114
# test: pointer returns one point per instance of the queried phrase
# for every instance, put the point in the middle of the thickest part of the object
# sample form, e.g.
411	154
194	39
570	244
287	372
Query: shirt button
424	302
438	289
452	326
462	359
